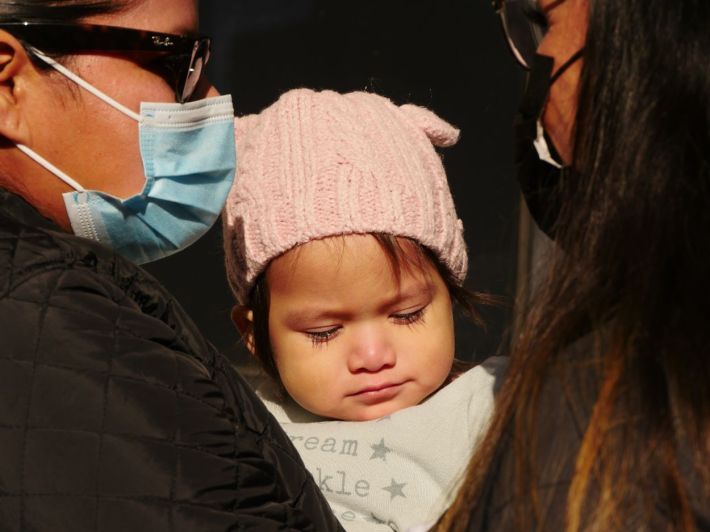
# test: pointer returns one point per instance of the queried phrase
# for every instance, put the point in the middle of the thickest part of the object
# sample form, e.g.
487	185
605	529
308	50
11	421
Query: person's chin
371	412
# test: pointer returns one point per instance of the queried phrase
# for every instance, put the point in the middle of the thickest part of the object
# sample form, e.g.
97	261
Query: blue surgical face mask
189	161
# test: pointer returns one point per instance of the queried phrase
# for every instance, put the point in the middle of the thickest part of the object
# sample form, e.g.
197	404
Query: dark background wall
448	55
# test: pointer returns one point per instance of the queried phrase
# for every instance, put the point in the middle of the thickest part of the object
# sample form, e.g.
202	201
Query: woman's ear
16	74
243	319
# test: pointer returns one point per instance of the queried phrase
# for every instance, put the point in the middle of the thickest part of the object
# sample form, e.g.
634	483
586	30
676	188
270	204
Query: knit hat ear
320	164
440	133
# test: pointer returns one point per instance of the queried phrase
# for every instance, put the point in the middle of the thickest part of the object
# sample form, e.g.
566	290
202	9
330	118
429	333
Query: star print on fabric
395	489
381	450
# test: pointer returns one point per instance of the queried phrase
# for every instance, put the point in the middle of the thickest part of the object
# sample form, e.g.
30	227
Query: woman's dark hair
398	258
633	266
57	10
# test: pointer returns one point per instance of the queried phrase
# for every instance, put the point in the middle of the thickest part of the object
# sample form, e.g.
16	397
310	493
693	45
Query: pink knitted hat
320	164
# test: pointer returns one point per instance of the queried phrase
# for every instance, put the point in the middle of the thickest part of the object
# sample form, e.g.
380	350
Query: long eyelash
321	337
410	318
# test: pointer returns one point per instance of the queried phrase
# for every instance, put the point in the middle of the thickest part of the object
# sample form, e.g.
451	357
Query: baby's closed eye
322	335
410	317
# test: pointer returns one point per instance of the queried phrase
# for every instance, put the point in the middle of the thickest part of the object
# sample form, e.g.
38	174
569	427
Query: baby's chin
368	413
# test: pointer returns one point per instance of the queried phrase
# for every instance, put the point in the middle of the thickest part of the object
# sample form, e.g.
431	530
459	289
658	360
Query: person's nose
371	351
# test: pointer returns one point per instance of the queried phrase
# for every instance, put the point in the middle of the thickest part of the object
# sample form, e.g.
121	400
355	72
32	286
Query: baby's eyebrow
413	291
309	316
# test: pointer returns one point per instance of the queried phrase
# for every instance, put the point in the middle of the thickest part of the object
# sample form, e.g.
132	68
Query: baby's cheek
435	363
306	379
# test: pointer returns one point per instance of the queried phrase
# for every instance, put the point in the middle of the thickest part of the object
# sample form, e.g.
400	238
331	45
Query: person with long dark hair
603	420
115	412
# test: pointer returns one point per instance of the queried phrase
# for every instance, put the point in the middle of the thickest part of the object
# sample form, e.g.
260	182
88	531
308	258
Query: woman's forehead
164	16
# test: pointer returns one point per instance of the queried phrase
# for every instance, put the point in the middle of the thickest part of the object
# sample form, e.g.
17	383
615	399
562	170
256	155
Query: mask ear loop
85	84
36	157
575	57
93	90
542	143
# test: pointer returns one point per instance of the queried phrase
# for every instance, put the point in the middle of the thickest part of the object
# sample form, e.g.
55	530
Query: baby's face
349	341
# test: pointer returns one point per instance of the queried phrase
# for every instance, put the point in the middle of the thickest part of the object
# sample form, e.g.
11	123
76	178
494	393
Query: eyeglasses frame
498	6
60	37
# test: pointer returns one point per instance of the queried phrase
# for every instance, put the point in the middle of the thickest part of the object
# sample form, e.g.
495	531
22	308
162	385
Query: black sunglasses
524	25
182	57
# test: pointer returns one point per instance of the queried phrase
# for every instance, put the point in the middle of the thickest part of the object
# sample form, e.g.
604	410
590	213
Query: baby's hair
415	256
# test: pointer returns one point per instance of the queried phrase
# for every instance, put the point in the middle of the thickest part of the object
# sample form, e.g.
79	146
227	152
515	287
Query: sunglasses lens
198	61
524	27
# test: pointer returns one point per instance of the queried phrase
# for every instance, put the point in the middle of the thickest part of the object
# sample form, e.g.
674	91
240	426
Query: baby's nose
371	352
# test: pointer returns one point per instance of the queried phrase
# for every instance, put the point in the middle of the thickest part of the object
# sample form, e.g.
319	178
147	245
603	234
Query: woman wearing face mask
115	413
603	420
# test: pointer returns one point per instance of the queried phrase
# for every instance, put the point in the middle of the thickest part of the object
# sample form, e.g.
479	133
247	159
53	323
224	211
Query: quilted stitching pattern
115	414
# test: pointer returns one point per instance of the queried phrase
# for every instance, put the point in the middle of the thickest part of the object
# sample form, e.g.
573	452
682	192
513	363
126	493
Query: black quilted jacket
115	413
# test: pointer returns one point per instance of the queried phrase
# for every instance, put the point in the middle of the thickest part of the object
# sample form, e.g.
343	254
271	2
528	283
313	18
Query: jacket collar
16	208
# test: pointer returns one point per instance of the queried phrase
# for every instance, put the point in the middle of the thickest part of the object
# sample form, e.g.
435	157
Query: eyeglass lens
198	61
524	25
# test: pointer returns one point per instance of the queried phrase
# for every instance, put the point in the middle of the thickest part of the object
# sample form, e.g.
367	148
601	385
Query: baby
345	254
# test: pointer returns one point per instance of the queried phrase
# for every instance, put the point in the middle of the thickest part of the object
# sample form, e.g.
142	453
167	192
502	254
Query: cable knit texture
320	164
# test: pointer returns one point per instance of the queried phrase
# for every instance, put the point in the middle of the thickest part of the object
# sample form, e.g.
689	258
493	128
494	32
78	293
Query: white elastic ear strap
85	85
93	90
49	166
